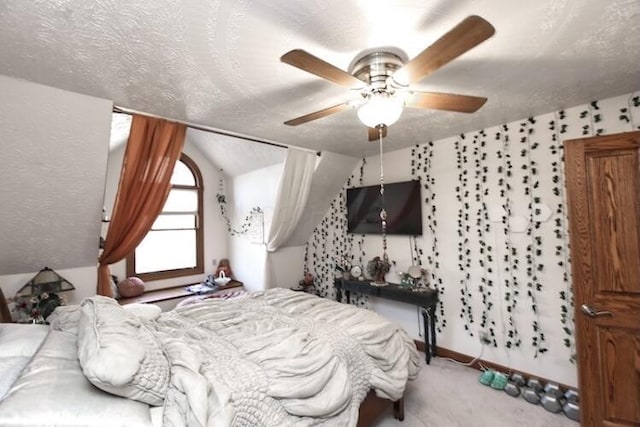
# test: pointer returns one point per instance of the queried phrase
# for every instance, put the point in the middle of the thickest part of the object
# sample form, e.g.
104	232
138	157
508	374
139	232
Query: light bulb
380	109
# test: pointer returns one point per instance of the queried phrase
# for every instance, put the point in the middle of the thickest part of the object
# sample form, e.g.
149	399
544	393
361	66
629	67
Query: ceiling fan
382	78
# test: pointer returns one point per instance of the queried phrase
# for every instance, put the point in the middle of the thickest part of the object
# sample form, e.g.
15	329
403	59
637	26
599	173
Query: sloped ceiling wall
328	179
52	173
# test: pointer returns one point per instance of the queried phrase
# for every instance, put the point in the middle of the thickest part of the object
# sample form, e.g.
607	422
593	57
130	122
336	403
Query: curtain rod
120	110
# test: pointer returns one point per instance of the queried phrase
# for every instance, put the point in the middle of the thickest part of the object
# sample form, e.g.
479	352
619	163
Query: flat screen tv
402	202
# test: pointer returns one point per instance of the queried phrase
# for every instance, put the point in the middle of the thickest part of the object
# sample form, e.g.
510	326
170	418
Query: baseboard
478	364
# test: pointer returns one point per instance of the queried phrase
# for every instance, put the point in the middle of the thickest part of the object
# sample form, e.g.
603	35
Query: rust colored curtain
153	148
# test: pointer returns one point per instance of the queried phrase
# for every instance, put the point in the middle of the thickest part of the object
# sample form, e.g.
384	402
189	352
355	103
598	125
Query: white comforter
279	358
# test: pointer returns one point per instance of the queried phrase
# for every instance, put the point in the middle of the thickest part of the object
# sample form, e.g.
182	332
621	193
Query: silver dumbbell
572	407
512	389
535	384
553	398
572	410
553	389
516	381
532	392
572	396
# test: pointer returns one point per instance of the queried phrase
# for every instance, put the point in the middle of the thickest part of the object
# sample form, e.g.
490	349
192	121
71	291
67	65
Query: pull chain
383	212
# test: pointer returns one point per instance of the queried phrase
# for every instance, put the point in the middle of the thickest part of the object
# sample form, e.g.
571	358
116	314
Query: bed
272	358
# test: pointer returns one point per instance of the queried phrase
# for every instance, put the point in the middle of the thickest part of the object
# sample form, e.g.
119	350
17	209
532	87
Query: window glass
175	222
153	254
182	175
174	246
181	201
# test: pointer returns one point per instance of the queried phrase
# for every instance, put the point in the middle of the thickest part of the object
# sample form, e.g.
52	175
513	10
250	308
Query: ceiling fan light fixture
380	109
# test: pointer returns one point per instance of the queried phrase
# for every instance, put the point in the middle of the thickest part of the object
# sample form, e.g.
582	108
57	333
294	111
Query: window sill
171	293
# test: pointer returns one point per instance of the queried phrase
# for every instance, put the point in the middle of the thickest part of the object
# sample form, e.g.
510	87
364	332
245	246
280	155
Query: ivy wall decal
435	279
626	113
561	232
359	258
510	261
330	244
254	216
530	184
464	252
483	229
527	265
305	265
421	170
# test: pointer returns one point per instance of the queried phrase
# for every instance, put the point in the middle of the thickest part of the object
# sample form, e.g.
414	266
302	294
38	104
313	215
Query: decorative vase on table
406	281
342	268
377	269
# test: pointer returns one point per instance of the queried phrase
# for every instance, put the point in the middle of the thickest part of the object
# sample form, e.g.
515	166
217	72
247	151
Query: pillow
65	318
144	311
131	287
119	353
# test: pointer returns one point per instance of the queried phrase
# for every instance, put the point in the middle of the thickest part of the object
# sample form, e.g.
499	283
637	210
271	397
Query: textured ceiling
217	62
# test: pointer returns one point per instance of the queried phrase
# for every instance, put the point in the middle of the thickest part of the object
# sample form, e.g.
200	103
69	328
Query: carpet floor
449	395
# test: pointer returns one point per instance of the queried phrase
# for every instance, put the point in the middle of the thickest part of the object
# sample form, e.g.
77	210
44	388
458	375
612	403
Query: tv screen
402	202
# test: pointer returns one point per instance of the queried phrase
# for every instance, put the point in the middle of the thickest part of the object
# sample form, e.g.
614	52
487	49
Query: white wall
216	244
287	265
259	188
527	144
253	189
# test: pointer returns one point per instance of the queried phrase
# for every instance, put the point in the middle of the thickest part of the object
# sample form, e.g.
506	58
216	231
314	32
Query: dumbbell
513	386
553	398
572	396
532	391
572	407
499	381
486	377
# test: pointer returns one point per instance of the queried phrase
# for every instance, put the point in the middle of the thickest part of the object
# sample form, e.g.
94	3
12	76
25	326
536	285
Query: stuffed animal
224	266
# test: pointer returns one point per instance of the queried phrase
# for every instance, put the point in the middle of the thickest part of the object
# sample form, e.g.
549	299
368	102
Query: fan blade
373	133
444	101
466	35
314	65
318	114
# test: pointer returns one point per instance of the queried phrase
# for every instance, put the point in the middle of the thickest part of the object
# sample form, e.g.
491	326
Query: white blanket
280	358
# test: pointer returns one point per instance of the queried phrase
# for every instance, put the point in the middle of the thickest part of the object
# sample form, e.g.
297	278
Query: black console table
426	299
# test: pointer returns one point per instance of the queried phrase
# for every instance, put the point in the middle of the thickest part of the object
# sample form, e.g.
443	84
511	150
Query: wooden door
603	188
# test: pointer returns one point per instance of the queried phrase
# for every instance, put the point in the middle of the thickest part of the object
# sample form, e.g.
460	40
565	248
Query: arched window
174	245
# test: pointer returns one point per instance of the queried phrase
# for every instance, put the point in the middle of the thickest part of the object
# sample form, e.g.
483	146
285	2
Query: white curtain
291	199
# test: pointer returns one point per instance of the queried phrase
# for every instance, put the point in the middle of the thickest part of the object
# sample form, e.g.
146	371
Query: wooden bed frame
372	407
5	315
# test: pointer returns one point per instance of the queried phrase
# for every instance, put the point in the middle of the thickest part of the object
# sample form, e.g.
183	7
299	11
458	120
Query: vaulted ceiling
216	62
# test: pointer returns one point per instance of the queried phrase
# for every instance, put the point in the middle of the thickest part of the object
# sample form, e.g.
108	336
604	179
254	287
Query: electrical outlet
214	262
484	337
